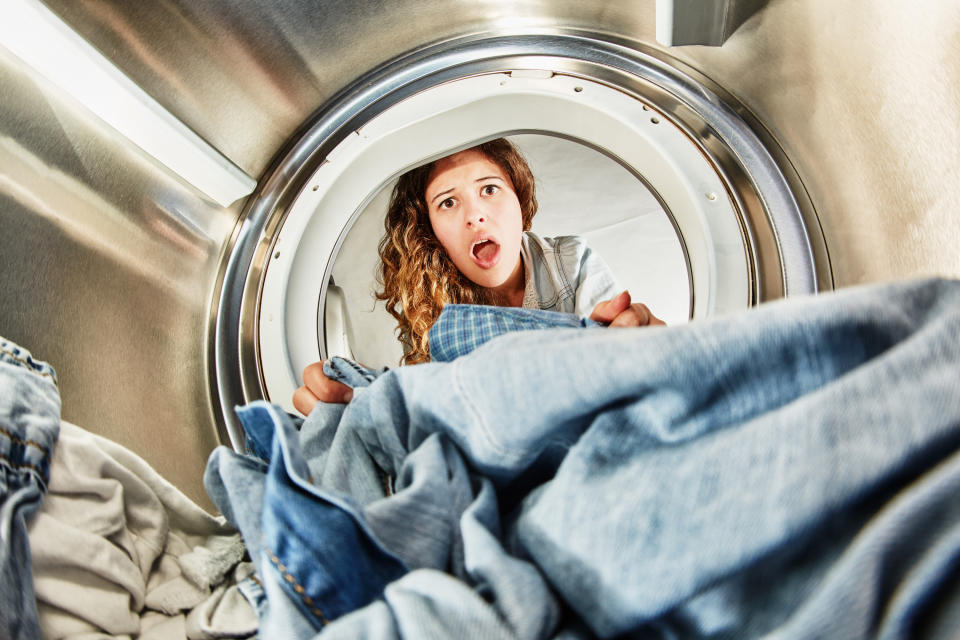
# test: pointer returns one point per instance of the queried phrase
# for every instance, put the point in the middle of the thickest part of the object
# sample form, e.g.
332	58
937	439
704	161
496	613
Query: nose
475	214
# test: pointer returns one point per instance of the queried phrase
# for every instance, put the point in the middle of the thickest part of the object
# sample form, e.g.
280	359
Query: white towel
118	551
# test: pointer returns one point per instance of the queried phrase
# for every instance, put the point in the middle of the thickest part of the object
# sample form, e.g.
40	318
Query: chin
487	281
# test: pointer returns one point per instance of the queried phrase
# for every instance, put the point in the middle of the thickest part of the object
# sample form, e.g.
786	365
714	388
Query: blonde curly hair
416	276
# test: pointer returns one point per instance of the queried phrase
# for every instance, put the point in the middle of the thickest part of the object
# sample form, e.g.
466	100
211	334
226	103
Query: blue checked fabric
461	328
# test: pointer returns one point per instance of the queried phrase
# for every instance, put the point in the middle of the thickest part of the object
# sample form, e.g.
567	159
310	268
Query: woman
457	231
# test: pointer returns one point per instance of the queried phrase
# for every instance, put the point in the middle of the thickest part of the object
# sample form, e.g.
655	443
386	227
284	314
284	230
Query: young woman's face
476	216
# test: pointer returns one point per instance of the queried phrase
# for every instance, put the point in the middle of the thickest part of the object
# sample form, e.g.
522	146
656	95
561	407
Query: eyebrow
443	193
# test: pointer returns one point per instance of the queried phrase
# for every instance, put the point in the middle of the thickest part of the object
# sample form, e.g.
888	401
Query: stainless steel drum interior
775	237
144	293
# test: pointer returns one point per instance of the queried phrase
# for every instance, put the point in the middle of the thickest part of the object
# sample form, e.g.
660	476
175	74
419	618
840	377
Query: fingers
619	312
607	310
636	315
304	401
317	387
324	388
654	320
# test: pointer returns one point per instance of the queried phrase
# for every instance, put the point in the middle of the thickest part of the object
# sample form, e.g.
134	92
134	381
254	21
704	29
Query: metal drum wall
746	238
112	266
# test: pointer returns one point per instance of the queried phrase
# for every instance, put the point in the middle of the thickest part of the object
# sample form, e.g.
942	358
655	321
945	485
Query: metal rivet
655	120
578	89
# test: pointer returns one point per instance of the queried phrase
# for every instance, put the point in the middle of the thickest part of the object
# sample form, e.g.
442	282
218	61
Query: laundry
461	328
29	426
787	472
95	542
117	550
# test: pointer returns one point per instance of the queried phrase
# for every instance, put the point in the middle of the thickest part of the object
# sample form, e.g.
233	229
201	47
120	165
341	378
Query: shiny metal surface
781	253
106	264
706	22
862	95
112	263
246	75
864	98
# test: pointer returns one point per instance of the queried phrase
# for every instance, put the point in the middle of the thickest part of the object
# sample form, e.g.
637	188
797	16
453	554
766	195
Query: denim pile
95	543
29	427
788	472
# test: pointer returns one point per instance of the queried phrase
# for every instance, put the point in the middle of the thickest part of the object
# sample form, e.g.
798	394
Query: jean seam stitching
32	443
20	465
297	587
30	366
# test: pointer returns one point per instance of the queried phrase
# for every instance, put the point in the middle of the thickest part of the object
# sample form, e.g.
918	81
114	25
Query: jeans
311	542
29	427
788	472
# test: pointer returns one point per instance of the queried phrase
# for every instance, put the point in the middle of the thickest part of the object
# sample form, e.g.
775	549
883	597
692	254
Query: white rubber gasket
458	114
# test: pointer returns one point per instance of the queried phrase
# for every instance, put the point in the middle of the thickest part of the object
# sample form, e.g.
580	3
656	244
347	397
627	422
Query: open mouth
485	253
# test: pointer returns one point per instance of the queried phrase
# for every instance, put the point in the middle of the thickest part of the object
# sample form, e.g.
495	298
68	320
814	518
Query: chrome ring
782	237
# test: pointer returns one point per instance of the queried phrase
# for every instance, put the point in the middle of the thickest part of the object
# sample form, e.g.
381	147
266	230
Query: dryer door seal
736	213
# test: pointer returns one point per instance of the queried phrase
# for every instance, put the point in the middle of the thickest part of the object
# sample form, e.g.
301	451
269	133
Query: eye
489	189
446	204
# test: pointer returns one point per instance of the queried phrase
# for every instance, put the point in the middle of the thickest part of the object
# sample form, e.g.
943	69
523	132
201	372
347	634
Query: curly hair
416	276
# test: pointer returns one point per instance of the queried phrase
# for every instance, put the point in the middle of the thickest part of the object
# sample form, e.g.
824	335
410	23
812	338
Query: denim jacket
563	274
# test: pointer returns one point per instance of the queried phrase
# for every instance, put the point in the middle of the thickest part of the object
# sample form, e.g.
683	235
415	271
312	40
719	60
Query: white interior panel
459	114
580	191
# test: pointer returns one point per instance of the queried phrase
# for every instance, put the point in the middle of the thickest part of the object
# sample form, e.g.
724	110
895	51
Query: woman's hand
317	387
619	312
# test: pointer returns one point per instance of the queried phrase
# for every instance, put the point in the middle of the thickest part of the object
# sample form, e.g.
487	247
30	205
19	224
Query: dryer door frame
783	249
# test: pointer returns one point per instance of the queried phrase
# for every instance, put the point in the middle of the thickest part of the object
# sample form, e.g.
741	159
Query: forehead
465	165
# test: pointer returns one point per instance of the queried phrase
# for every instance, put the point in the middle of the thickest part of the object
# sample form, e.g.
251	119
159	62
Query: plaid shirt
461	328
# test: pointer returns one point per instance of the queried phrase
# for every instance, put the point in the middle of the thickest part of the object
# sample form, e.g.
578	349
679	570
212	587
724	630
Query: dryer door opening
733	218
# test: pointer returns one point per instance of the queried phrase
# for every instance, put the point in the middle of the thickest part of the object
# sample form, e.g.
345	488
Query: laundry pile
96	543
788	472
